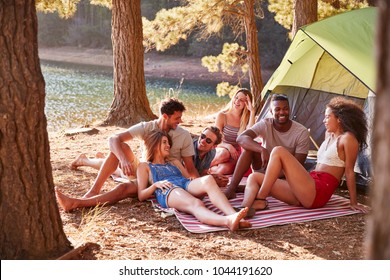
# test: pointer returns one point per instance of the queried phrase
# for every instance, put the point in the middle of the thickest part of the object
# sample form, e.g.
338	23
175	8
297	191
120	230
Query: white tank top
327	154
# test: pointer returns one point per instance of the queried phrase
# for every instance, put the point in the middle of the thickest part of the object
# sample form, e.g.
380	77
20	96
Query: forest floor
135	230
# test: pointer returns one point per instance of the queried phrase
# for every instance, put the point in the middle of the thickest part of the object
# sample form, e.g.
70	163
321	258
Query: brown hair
217	133
152	143
352	118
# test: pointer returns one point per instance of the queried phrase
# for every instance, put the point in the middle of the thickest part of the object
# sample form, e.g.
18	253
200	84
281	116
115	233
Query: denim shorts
162	196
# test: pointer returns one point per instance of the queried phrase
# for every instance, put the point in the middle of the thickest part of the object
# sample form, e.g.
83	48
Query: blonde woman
238	117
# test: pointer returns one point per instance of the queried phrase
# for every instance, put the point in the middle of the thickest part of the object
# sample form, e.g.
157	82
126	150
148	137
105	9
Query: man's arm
116	144
190	166
247	141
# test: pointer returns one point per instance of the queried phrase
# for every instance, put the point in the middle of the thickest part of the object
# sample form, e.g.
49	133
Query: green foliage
207	17
283	10
225	88
64	8
231	61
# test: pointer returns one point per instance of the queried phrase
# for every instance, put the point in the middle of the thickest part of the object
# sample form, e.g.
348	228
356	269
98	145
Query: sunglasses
208	140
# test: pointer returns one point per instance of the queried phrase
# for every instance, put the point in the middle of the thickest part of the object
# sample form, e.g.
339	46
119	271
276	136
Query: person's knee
127	189
208	180
278	151
196	203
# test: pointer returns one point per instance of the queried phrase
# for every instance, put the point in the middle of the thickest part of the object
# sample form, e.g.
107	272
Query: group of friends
179	171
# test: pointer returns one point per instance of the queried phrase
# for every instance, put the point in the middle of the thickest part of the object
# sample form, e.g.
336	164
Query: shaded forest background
91	28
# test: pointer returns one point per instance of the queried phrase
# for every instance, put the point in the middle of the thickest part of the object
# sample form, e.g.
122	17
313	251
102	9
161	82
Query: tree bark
130	104
379	222
31	226
255	78
305	12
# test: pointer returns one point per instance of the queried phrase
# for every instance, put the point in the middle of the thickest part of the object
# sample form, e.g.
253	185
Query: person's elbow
242	140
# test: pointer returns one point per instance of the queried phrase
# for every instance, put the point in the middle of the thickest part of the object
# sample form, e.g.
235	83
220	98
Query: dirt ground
134	230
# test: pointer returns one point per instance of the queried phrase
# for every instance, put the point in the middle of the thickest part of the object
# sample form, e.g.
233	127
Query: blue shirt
202	164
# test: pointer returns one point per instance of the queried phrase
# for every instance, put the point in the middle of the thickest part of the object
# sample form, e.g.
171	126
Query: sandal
265	203
251	212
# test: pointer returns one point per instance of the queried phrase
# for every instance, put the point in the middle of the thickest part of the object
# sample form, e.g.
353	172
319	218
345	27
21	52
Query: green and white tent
334	56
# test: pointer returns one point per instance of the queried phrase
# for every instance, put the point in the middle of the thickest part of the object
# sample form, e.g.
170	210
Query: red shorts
326	184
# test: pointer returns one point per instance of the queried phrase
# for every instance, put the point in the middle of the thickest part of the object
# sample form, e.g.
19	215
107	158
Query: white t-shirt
181	139
296	140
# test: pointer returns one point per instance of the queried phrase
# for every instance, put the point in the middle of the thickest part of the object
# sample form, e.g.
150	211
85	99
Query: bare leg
96	163
83	160
298	188
242	166
120	192
184	201
207	185
108	167
251	189
224	168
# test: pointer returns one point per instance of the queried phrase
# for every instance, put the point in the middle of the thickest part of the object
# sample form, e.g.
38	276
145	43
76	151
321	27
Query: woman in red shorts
346	133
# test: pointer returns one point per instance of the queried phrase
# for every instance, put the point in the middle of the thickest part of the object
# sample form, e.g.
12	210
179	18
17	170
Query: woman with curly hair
346	134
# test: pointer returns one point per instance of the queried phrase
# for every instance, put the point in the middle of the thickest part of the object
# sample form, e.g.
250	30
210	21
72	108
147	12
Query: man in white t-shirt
276	131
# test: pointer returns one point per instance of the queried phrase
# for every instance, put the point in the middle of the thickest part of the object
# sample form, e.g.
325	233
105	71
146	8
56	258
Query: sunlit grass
77	97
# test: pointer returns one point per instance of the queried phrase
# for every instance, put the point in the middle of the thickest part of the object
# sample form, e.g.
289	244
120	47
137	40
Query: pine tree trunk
305	12
379	222
31	226
255	78
130	104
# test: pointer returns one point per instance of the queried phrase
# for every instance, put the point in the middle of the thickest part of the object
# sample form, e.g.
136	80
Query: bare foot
67	203
235	219
99	155
245	224
260	204
79	161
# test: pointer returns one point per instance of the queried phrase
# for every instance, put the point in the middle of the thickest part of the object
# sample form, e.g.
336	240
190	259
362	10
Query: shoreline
155	65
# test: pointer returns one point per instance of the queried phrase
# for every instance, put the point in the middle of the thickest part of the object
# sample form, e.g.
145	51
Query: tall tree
130	104
305	12
379	225
210	16
31	226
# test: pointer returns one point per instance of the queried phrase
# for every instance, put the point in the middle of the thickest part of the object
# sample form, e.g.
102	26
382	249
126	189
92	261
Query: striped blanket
278	213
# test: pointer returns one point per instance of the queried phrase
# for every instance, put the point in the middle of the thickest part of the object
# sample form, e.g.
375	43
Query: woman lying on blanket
346	125
172	187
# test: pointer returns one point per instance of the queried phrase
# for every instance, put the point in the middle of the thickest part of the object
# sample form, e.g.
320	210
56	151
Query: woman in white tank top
346	128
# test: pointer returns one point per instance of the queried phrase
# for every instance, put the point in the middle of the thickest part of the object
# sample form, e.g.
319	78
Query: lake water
78	95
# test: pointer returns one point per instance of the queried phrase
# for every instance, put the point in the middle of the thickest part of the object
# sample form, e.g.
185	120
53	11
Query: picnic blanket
278	213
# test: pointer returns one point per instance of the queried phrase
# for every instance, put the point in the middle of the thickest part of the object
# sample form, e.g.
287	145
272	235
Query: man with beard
276	131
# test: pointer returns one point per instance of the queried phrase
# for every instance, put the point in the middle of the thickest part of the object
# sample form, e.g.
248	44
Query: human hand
249	105
221	180
360	207
163	185
127	167
264	158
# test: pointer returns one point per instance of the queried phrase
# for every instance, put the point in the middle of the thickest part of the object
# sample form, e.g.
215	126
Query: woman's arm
144	192
251	110
350	146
